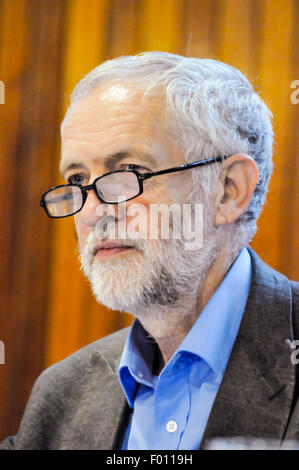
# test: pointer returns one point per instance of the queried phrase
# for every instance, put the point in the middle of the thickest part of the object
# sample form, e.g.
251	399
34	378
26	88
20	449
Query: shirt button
171	426
140	374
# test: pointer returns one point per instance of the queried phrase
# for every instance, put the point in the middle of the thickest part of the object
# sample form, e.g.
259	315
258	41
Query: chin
119	284
115	298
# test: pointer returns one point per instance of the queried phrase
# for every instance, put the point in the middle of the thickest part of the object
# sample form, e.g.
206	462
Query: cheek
150	219
81	229
137	217
170	189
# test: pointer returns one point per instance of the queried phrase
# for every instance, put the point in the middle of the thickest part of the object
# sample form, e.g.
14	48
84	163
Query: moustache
107	229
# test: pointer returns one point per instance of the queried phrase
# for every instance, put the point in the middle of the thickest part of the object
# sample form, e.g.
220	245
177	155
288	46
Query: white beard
159	275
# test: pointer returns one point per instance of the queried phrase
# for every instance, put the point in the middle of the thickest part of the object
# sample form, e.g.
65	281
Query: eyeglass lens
118	187
63	201
112	188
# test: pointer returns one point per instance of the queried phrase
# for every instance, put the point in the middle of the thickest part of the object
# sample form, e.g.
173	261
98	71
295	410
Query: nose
93	210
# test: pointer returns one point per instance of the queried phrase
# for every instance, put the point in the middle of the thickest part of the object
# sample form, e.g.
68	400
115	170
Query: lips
111	246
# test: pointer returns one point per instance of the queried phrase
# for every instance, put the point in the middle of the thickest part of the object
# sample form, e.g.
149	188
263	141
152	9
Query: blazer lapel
109	405
102	405
256	392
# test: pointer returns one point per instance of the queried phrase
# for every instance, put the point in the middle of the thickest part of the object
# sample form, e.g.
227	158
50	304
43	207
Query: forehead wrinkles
114	105
96	126
115	137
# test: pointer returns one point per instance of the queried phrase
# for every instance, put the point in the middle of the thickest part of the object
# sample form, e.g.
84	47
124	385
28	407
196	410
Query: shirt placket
172	405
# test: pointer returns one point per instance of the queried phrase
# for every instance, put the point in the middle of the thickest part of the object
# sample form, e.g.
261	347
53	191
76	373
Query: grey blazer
78	403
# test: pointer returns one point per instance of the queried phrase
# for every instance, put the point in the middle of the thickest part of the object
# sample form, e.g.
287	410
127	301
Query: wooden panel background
46	46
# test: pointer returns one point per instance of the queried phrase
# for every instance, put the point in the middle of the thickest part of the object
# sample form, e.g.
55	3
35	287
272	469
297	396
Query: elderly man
209	352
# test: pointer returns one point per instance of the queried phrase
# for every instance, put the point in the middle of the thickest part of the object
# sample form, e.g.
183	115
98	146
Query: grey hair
213	110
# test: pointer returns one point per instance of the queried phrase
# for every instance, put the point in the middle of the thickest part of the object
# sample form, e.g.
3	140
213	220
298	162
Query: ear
235	188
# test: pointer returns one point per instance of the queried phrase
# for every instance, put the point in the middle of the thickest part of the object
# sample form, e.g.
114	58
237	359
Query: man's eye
132	166
77	178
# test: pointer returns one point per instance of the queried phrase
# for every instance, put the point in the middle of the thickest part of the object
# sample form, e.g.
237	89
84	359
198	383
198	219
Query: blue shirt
170	411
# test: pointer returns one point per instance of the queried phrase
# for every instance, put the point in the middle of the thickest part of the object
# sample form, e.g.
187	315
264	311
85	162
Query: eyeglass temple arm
185	166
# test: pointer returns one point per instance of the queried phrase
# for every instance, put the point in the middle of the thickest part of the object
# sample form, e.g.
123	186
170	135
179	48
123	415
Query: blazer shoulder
60	388
109	348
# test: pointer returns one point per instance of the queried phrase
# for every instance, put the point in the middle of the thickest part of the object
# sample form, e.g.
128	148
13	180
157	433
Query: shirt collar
213	334
211	337
136	361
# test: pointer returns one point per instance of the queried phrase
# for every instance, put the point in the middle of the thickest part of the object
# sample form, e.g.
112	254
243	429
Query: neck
171	325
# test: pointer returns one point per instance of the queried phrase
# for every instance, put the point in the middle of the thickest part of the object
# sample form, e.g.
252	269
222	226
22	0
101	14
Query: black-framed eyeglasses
111	188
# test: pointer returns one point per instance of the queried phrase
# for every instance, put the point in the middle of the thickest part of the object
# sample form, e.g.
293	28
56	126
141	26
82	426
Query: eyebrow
111	160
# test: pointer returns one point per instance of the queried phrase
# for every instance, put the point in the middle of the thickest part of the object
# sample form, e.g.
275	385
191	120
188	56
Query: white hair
213	110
